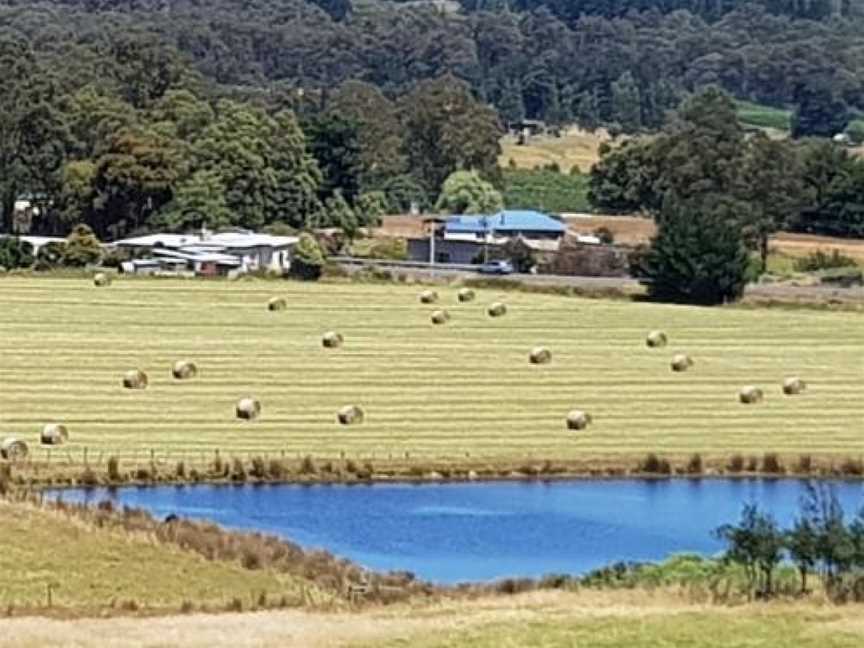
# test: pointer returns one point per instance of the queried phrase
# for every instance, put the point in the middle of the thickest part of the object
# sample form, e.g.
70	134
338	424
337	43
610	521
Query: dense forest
134	114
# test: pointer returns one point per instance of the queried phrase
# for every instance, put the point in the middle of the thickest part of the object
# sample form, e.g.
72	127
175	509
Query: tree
803	544
380	134
819	111
588	111
262	162
403	192
624	179
698	255
627	103
448	130
334	143
465	192
82	247
338	213
756	543
370	207
308	261
133	179
199	201
772	187
33	135
15	253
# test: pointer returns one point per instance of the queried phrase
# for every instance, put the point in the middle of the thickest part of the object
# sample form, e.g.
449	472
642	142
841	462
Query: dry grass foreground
92	570
549	619
444	393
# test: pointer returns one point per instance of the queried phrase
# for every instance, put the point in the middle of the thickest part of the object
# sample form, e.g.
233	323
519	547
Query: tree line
129	138
820	541
624	64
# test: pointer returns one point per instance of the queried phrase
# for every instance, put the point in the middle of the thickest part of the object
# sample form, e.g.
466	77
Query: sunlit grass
434	392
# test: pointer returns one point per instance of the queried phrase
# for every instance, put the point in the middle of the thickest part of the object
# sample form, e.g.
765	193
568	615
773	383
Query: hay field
575	148
446	392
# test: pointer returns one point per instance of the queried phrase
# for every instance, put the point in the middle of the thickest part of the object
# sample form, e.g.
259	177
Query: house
209	254
504	225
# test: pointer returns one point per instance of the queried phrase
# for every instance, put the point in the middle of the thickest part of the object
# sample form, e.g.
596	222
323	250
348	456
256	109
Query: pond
479	531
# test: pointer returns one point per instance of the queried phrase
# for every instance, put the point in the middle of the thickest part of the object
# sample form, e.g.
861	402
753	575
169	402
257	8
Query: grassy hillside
93	569
545	190
751	114
575	148
443	392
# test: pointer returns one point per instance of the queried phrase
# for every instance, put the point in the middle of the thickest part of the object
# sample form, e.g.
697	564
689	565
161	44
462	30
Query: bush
736	463
308	261
605	235
771	464
654	465
114	470
820	260
15	253
694	466
82	247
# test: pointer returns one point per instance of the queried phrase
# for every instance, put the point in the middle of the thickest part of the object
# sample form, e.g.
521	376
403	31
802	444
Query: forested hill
614	61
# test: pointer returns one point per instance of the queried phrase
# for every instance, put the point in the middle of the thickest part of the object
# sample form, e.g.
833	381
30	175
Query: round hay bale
681	362
540	355
428	297
750	394
184	370
54	434
578	420
332	340
13	449
440	317
466	295
135	379
793	386
248	409
497	309
277	304
101	279
350	415
656	339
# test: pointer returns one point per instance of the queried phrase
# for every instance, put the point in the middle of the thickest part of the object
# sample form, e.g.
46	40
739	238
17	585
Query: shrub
805	464
276	469
308	261
180	470
694	465
258	469
114	470
605	235
655	465
307	466
88	477
771	464
238	470
820	260
82	247
736	463
15	253
852	467
5	478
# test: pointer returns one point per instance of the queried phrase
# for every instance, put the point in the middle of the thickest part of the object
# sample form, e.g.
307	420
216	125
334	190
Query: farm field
575	148
464	389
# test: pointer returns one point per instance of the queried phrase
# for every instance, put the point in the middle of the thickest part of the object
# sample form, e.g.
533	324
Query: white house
208	253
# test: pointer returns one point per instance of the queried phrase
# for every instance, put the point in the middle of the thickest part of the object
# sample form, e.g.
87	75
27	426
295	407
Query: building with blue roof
505	224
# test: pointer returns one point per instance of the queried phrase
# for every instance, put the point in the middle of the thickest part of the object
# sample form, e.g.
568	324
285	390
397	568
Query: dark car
496	267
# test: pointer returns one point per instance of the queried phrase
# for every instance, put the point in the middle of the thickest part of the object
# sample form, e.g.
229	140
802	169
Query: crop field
463	389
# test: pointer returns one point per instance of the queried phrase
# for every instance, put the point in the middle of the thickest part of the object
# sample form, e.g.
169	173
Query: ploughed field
447	392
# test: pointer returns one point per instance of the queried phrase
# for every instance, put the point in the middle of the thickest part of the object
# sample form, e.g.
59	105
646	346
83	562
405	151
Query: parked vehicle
496	267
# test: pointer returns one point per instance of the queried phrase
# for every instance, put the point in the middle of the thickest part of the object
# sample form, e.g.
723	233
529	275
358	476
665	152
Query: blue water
479	531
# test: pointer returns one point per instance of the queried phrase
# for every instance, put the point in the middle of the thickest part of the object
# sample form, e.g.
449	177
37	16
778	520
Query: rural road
784	292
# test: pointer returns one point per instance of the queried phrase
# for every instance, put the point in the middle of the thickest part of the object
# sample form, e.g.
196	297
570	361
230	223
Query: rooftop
213	241
505	221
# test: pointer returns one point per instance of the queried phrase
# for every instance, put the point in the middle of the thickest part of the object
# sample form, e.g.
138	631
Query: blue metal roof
504	221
